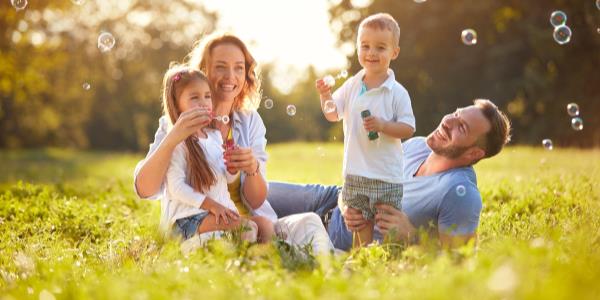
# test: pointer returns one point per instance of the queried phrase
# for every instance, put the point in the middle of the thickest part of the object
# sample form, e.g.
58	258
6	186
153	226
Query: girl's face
227	71
195	94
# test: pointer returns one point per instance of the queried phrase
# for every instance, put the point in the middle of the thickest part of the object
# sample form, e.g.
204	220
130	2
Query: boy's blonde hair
382	21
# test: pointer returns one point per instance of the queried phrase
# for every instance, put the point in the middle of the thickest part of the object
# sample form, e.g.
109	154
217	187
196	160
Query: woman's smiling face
227	71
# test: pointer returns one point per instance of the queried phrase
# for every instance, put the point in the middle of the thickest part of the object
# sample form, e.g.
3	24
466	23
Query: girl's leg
266	231
289	198
209	224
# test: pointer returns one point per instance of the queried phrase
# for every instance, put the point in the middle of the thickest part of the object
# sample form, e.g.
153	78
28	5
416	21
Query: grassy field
71	227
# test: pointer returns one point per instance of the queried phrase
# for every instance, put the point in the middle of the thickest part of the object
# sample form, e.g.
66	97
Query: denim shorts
188	226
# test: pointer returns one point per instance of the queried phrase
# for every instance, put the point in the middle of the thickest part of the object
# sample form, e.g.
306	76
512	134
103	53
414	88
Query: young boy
377	114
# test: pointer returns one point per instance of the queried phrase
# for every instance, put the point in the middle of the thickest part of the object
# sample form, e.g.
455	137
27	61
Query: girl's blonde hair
200	57
199	173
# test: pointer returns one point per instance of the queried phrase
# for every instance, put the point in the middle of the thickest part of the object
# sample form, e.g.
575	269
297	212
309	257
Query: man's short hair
382	21
499	133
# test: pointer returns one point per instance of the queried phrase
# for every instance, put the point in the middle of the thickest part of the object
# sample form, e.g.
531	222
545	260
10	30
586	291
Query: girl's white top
179	199
248	131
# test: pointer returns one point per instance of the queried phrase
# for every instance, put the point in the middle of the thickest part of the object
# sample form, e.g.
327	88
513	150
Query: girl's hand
188	123
219	211
240	159
372	123
324	89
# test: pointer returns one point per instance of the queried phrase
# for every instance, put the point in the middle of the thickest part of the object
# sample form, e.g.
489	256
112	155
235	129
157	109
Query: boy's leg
364	236
266	231
289	198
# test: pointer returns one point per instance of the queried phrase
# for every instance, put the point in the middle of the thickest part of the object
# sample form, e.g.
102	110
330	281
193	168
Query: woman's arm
151	174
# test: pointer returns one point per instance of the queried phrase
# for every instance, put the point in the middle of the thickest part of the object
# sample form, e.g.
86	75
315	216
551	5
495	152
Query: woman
231	70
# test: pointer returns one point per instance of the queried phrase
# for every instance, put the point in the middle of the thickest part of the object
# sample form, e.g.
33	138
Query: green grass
70	227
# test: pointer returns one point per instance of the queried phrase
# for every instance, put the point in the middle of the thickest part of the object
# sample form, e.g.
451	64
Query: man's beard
451	152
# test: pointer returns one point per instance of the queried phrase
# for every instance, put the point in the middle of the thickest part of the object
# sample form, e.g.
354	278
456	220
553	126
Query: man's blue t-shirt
446	202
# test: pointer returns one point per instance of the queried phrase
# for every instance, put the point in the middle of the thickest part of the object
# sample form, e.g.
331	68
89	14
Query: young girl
196	198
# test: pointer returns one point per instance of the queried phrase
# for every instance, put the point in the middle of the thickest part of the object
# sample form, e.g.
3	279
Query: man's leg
290	198
340	236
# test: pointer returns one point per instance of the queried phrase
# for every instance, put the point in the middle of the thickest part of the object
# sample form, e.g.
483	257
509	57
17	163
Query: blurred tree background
49	51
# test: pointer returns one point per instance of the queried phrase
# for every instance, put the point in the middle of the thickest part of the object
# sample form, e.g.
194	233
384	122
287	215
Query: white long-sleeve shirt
248	131
180	200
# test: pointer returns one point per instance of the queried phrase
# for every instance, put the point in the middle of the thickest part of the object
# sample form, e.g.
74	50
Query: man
440	187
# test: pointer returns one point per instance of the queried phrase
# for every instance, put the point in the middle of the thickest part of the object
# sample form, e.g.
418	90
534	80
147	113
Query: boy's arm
397	130
325	95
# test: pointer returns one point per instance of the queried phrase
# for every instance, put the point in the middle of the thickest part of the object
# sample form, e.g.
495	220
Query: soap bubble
469	37
78	2
547	143
420	1
558	18
329	80
291	110
562	34
573	109
225	119
577	123
106	42
268	103
461	190
598	4
19	4
86	86
329	106
343	74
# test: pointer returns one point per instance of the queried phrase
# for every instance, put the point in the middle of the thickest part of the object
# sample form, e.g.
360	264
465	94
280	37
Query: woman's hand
240	159
188	123
393	221
353	218
219	211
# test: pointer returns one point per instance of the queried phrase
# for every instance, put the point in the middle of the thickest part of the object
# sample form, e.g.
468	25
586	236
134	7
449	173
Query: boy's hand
372	123
324	89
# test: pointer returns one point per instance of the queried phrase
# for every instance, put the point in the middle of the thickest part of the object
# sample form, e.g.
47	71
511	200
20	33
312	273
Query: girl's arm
150	172
180	191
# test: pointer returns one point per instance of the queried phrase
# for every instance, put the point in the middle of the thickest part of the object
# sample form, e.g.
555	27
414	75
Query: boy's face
376	49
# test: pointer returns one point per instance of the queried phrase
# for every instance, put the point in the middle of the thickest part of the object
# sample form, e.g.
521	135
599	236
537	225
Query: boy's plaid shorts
363	193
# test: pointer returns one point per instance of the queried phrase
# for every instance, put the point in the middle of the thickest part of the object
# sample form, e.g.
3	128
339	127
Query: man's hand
392	220
353	218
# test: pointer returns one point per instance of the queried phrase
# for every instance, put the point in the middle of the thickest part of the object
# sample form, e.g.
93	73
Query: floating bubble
343	74
420	1
547	143
469	37
225	119
106	42
558	18
329	80
573	109
268	103
461	190
19	4
598	4
78	2
562	34
329	106
291	110
86	86
577	123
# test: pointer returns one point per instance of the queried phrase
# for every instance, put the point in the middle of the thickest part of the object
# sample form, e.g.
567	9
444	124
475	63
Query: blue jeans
290	198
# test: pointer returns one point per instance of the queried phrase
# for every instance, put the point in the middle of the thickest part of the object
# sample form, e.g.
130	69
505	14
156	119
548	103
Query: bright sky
292	34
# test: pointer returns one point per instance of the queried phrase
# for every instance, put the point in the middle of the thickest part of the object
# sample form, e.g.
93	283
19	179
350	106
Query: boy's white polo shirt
382	158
